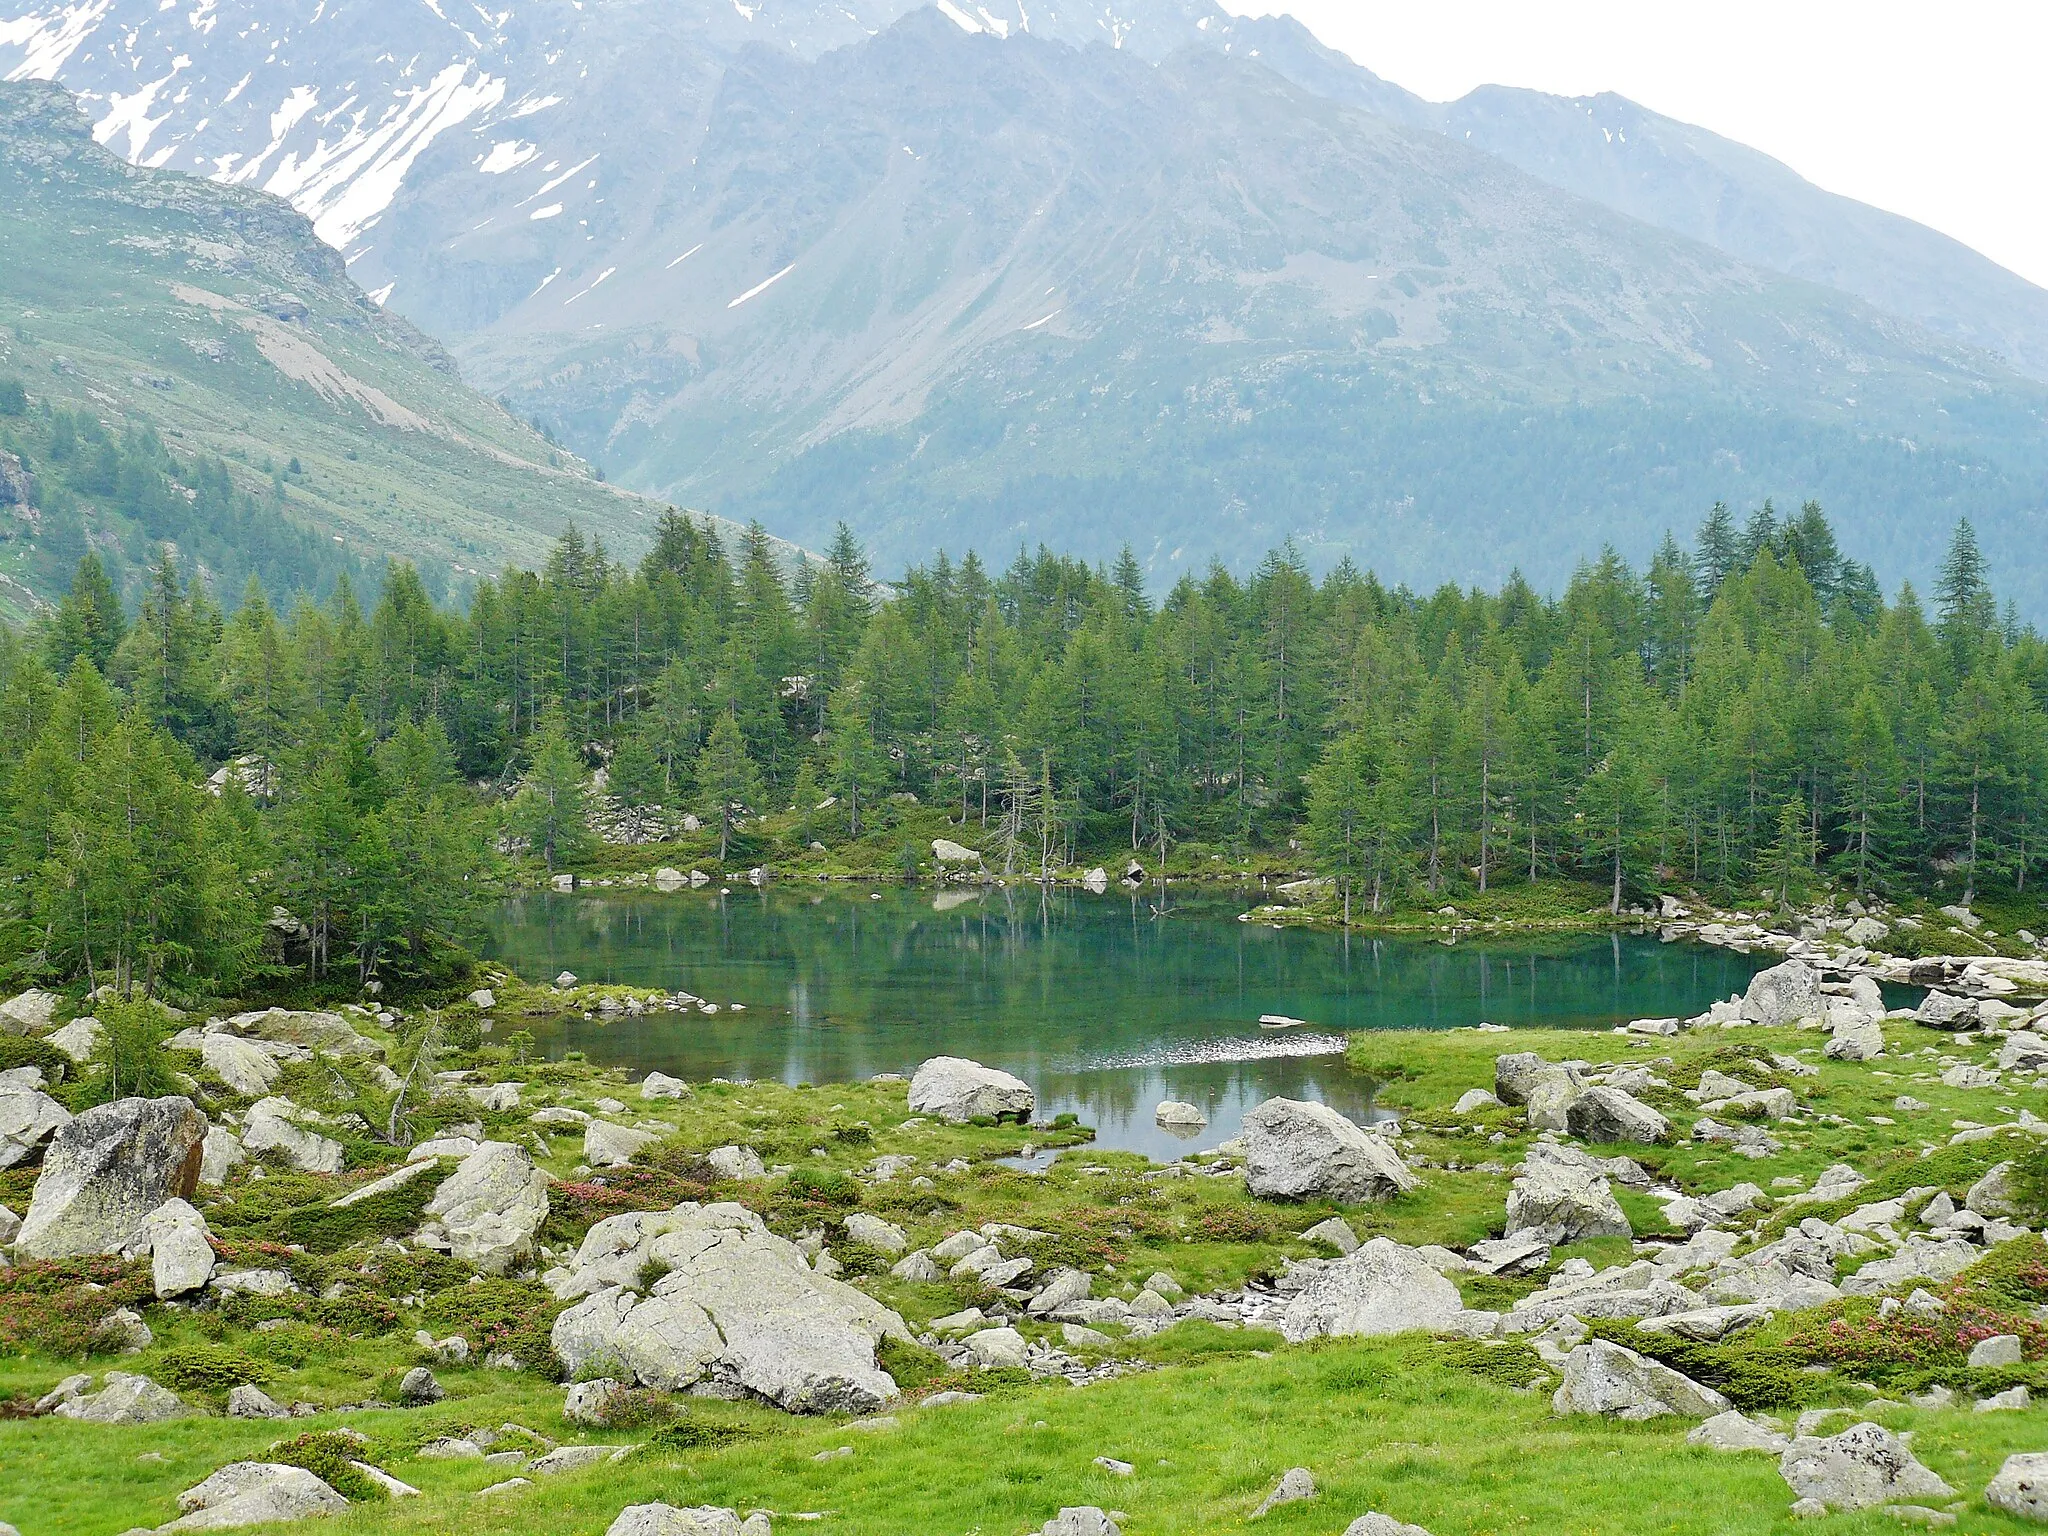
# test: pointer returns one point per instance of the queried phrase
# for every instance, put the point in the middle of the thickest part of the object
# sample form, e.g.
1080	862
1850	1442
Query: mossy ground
1443	1434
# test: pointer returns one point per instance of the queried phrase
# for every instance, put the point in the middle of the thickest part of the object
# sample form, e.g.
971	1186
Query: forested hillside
1750	714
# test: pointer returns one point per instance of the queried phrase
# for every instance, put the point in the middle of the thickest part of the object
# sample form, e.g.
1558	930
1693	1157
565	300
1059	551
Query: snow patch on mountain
48	39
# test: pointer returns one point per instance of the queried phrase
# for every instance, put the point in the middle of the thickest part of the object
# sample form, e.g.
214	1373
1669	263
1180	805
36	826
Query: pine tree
1964	606
1869	804
727	780
549	809
89	621
1720	550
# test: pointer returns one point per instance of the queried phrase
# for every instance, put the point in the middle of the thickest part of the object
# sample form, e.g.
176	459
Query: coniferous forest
1748	714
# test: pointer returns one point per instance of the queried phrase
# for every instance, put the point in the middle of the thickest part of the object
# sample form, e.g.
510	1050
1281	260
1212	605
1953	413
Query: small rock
254	1493
2000	1349
1998	1402
1333	1232
1117	1468
1605	1378
2021	1486
1295	1484
250	1401
1864	1466
1731	1431
659	1085
418	1387
1177	1115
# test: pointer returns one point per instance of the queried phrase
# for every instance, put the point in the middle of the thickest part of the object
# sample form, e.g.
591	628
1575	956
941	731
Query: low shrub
1511	1364
695	1434
638	1408
513	1316
327	1454
208	1368
56	1305
823	1186
1749	1374
862	1259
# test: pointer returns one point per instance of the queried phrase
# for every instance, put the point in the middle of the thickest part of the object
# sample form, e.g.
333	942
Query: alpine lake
1105	1006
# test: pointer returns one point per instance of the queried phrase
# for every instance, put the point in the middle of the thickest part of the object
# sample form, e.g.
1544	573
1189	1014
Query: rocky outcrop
1380	1288
1563	1202
327	1033
1295	1150
1862	1467
957	1090
124	1399
29	1117
254	1493
109	1169
1784	994
1605	1378
487	1212
738	1310
273	1126
1608	1114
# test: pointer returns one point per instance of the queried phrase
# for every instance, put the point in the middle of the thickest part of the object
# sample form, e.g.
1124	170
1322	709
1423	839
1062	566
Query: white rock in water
106	1171
739	1309
1381	1288
489	1209
1296	1150
958	1090
1864	1466
669	879
254	1493
1604	1378
29	1117
1784	994
1175	1114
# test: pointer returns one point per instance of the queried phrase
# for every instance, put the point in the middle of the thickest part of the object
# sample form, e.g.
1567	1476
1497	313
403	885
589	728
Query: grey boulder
1382	1288
698	1520
488	1210
1856	1040
1565	1202
1944	1010
1784	994
957	1090
1608	1114
1377	1524
738	1311
254	1493
613	1146
180	1248
1296	1484
29	1117
124	1399
1294	1150
28	1013
1605	1378
1731	1431
106	1171
1552	1093
1080	1520
736	1163
272	1126
1864	1466
2021	1486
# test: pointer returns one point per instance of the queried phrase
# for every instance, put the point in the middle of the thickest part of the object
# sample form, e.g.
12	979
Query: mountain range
1099	273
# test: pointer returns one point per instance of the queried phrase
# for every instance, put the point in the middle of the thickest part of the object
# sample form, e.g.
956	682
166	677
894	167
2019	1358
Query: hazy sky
1935	111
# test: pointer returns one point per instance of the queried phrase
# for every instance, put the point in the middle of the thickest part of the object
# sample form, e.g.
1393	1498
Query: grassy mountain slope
212	315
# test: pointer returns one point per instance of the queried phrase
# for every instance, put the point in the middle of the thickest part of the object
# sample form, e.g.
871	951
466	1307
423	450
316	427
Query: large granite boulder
175	1239
957	1090
1944	1010
1606	1378
699	1520
254	1493
1564	1202
1784	994
28	1013
1380	1288
1514	1074
1862	1467
124	1399
1856	1039
1608	1114
109	1169
738	1311
29	1117
273	1125
1295	1150
327	1033
2021	1487
487	1211
606	1145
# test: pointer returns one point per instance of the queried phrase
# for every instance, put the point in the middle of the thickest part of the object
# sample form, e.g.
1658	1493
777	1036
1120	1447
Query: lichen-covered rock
1381	1288
221	1156
124	1399
1605	1378
254	1493
1944	1010
28	1013
738	1309
1551	1094
1608	1114
1856	1040
1295	1150
699	1520
1377	1524
875	1232
1994	1195
957	1090
1731	1431
489	1209
106	1171
736	1163
29	1117
1862	1467
327	1033
1784	994
659	1085
1565	1202
180	1248
613	1146
272	1126
2021	1486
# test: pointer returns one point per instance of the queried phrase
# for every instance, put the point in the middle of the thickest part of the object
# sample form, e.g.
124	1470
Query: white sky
1933	110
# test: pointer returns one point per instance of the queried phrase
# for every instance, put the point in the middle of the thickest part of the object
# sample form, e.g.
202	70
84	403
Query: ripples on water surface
1102	1007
